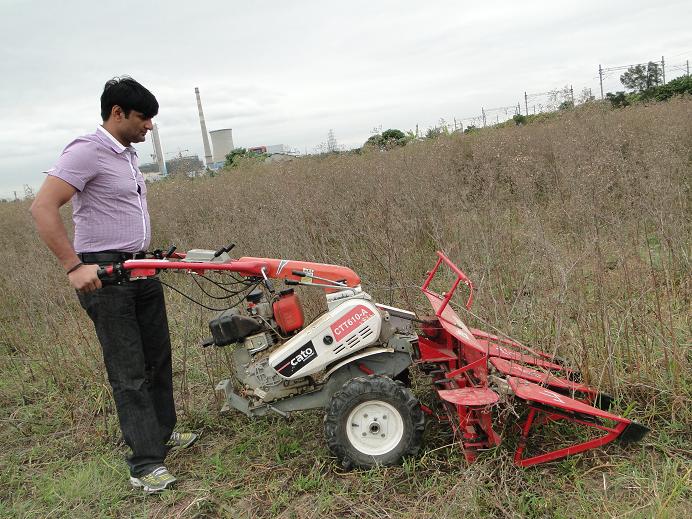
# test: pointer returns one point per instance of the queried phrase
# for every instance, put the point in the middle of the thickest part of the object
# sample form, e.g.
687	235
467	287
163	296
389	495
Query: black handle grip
115	276
300	273
170	251
106	279
227	248
291	282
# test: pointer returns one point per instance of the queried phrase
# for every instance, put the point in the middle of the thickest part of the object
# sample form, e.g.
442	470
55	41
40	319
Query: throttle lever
267	283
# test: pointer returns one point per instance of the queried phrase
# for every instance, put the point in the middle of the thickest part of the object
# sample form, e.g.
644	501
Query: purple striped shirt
109	209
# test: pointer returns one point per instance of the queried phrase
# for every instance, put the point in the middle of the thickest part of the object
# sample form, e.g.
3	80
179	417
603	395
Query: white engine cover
351	326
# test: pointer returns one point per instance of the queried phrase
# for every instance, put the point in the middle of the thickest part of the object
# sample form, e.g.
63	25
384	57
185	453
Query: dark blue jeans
132	327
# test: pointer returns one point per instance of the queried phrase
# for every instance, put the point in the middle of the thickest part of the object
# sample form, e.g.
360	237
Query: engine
278	356
263	323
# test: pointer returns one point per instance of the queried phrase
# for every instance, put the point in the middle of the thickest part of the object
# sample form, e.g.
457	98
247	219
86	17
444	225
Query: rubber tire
363	389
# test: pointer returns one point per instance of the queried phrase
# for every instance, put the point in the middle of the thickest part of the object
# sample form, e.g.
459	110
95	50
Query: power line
567	93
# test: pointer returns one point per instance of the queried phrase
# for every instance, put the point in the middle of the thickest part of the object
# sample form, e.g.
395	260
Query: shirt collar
117	147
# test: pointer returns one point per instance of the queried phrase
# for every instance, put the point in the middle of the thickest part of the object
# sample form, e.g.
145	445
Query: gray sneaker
154	481
182	440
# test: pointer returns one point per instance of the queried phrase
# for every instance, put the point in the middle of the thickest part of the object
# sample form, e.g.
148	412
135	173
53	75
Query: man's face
129	128
134	127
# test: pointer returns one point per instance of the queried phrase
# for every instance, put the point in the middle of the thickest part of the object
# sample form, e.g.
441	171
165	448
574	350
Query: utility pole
663	67
483	115
600	78
571	92
332	145
519	108
526	103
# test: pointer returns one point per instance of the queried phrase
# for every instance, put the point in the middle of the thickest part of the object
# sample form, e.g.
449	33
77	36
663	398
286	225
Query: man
99	173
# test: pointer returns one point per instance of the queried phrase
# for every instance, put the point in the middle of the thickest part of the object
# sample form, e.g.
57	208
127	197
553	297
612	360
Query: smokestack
222	143
205	136
157	150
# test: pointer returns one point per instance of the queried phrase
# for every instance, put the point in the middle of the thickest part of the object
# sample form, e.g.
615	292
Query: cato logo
350	321
302	356
298	360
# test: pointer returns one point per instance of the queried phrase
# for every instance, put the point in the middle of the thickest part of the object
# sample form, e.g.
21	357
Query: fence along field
575	230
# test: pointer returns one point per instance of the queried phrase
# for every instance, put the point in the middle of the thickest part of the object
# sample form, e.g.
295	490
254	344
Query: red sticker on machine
350	321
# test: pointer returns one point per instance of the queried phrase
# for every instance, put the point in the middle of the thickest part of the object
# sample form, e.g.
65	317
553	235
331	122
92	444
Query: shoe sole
190	443
186	445
150	490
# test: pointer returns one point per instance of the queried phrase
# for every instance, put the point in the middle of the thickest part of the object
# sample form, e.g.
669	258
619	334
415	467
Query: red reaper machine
353	361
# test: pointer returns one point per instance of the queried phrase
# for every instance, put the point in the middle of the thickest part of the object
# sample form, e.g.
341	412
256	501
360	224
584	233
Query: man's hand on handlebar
85	279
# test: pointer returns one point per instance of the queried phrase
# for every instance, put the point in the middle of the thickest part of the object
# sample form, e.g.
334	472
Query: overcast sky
281	72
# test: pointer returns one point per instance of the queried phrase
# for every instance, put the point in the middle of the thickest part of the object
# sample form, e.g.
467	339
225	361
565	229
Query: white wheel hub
374	427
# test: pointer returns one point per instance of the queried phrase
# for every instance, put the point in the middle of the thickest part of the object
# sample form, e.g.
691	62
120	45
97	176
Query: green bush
678	86
237	154
389	139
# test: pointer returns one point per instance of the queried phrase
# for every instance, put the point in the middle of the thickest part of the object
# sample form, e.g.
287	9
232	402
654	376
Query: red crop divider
460	277
612	433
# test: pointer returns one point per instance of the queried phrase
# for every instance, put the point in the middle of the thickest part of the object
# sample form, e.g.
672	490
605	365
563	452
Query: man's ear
117	113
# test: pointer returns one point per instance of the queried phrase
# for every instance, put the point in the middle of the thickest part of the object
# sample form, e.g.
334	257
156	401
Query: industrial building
222	143
214	153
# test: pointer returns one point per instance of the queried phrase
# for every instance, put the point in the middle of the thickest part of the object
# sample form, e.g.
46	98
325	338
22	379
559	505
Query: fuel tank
351	326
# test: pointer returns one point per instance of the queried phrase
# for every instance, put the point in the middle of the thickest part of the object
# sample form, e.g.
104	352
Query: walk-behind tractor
353	361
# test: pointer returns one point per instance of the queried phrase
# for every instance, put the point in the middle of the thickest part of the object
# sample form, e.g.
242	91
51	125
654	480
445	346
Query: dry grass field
576	231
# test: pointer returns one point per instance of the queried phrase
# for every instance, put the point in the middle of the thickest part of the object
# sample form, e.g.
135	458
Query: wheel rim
374	427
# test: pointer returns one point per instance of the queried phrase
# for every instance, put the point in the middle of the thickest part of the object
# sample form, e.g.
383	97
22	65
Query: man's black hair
128	95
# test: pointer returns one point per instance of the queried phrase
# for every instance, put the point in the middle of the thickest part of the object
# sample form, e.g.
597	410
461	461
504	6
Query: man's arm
55	193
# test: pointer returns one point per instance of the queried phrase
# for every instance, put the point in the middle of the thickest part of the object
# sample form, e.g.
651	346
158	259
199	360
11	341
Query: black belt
109	256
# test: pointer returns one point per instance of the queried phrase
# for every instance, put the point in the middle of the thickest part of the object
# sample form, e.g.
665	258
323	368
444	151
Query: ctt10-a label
349	322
